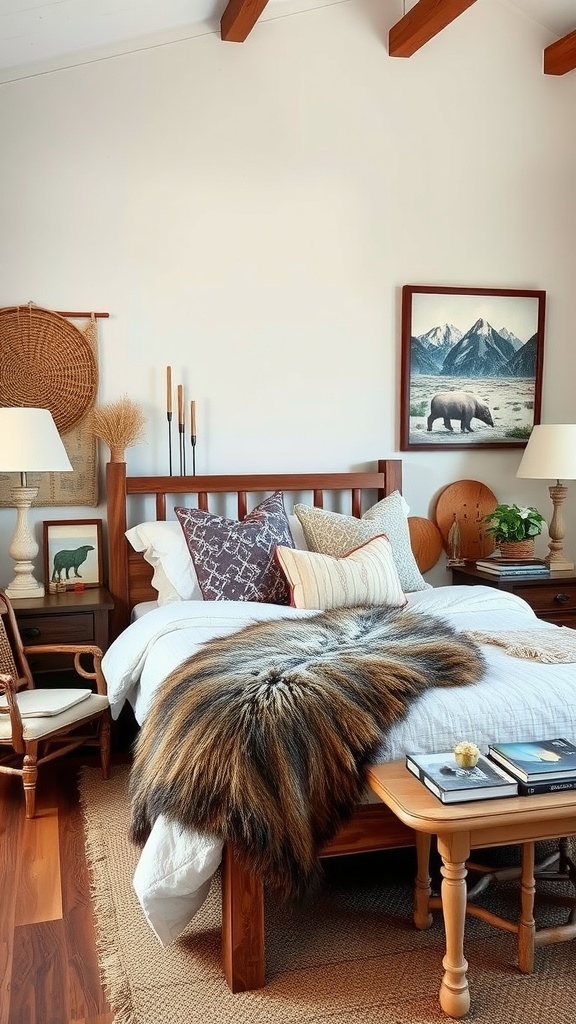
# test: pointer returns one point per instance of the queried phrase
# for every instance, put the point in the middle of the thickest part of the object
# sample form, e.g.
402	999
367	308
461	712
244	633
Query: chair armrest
7	687
77	650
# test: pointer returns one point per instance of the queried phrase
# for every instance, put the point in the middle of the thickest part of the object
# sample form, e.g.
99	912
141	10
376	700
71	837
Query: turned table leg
454	993
422	884
527	925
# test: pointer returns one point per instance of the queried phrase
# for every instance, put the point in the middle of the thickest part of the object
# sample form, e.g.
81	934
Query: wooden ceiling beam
422	23
239	19
560	56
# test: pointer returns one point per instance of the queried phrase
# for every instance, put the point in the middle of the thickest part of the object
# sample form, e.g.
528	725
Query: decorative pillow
164	547
334	534
365	576
234	561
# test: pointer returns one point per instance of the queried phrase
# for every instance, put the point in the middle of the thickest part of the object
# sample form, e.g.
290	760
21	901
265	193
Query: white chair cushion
36	728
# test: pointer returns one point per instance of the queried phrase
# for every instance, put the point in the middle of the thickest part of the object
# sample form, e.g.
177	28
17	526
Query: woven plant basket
46	363
517	548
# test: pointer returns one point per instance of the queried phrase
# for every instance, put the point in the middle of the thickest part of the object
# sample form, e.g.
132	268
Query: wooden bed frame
373	826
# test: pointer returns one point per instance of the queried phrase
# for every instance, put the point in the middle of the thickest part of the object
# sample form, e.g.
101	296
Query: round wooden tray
469	501
425	541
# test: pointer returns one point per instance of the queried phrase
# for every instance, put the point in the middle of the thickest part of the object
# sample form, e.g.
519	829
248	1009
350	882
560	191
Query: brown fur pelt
262	737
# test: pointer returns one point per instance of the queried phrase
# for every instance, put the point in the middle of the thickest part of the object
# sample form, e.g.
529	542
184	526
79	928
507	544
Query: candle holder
169	414
193	443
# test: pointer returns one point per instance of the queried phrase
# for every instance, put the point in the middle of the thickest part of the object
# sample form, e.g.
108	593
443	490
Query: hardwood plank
422	23
39	896
11	819
102	1018
560	57
54	974
239	19
85	987
39	975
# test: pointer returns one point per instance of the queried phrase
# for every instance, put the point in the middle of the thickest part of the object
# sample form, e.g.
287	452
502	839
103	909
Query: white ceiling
41	35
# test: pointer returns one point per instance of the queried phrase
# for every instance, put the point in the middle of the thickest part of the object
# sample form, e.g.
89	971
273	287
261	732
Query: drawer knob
30	632
562	598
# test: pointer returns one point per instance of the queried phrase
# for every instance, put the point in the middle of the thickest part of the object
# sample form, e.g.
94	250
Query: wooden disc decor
46	363
425	541
469	501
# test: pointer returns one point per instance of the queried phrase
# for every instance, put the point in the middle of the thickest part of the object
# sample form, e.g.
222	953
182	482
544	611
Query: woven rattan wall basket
46	362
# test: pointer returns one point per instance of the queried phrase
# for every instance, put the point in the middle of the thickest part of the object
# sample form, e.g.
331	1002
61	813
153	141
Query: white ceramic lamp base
23	548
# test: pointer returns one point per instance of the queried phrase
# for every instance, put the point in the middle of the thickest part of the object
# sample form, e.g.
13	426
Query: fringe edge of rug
112	972
556	649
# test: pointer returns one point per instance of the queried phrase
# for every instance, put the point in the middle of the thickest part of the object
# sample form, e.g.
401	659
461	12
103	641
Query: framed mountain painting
471	367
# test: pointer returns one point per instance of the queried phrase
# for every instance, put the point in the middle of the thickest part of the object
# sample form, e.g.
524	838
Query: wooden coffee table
461	828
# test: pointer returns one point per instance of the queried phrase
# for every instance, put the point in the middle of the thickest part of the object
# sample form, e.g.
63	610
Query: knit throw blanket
554	646
262	737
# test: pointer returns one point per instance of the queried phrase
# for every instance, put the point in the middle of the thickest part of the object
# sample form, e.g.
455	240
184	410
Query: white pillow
366	576
334	534
164	547
297	533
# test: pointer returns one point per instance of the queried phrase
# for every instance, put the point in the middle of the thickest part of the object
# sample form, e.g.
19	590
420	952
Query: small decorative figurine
466	754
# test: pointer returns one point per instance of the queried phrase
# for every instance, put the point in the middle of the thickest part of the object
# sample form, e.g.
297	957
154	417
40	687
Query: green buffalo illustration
64	561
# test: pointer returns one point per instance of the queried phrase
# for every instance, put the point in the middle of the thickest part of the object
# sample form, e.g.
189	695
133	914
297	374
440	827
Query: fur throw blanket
262	737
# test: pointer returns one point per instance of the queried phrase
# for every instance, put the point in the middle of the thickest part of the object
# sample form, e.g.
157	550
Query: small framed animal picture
472	363
73	554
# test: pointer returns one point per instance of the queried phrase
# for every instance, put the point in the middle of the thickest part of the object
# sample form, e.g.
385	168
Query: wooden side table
552	597
70	617
459	829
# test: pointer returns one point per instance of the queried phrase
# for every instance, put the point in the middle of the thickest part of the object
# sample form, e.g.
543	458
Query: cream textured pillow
365	576
335	534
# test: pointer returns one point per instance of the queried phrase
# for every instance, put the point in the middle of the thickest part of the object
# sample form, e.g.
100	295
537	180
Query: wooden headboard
129	576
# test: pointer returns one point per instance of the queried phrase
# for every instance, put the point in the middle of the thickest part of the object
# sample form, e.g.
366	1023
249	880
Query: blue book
536	761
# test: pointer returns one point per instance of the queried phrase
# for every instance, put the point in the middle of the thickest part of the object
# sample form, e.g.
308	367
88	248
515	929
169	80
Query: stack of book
514	566
452	784
543	766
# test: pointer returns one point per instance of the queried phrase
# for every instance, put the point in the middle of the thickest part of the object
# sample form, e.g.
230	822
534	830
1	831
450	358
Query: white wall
248	214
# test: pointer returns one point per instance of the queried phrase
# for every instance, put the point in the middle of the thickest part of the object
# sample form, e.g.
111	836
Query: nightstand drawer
550	598
70	628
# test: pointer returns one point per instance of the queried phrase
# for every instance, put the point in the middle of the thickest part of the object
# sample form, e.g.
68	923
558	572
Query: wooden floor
48	962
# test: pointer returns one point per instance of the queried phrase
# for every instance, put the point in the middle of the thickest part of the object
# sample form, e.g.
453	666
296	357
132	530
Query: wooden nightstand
553	597
63	618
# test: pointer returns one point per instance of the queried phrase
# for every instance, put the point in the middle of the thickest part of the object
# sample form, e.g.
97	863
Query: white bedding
515	700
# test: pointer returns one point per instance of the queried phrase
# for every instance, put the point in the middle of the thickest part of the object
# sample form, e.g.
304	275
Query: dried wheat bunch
119	424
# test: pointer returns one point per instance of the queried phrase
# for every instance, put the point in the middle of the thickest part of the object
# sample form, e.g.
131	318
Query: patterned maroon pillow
234	560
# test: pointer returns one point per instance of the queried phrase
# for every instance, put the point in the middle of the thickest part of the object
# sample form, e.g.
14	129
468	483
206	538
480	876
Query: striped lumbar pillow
365	576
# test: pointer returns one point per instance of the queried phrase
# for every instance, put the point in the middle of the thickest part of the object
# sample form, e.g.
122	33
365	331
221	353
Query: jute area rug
348	953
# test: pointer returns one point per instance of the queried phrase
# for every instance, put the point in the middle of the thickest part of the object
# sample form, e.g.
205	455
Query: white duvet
515	700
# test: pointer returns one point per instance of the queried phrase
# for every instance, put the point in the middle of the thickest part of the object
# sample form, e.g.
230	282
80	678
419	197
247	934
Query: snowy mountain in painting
512	338
439	340
481	352
523	362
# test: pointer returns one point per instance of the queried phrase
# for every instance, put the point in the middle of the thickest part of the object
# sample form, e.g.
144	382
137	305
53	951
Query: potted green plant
514	529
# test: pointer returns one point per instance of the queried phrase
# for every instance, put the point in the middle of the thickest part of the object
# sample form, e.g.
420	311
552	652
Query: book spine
412	767
552	786
514	572
423	777
508	766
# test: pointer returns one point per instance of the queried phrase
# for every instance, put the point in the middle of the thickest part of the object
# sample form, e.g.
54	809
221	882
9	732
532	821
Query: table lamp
29	443
551	454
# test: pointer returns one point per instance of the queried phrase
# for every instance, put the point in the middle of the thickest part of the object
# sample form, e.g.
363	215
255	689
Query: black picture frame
67	537
484	342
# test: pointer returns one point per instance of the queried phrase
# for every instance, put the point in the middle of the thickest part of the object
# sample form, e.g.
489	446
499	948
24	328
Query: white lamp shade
30	442
550	453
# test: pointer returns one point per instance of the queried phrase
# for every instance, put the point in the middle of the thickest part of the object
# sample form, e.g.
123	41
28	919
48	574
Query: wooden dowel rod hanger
60	312
98	316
